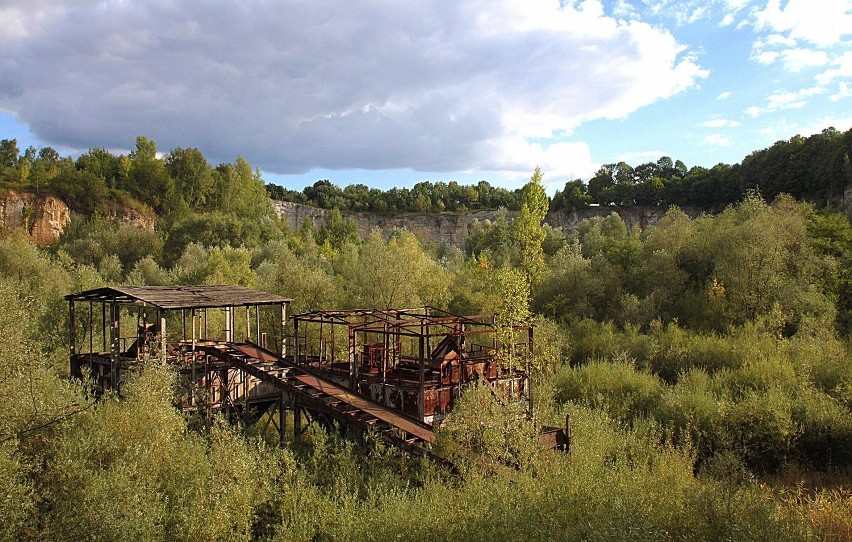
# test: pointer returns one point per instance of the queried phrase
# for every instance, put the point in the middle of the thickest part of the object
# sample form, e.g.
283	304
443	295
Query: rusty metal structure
417	361
393	372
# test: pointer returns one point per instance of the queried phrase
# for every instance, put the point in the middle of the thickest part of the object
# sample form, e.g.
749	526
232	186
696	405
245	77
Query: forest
706	363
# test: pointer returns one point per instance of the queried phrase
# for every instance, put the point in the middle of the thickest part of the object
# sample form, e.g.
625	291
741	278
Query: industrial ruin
396	372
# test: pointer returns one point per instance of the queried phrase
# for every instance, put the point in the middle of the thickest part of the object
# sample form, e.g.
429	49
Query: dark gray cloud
437	86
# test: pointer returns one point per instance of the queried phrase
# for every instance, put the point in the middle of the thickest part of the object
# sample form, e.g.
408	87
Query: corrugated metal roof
180	297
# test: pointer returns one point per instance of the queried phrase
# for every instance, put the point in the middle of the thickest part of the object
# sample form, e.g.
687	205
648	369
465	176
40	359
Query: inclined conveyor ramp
320	395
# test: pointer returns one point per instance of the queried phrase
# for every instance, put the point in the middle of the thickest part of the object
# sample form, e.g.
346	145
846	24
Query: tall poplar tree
528	230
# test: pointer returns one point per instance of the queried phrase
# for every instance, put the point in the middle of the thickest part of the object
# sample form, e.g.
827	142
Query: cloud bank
433	86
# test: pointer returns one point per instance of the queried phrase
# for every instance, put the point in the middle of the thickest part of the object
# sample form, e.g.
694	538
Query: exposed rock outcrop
453	228
143	219
42	216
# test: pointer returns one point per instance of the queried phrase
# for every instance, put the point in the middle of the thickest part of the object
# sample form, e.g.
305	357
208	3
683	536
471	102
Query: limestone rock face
128	216
453	228
42	216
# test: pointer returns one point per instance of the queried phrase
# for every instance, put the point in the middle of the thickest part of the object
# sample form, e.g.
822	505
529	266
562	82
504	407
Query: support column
354	381
115	339
296	349
297	424
72	334
529	375
163	349
421	408
282	419
229	333
283	328
257	326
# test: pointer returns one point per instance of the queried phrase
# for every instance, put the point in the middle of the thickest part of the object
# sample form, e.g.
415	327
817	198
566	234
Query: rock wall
453	229
42	216
128	216
847	201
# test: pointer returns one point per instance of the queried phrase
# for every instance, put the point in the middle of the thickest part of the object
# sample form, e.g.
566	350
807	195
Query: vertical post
283	329
321	342
421	408
162	337
297	423
296	349
103	328
248	324
385	353
205	324
91	329
114	343
228	332
354	381
282	419
140	333
192	384
183	324
257	325
72	334
529	375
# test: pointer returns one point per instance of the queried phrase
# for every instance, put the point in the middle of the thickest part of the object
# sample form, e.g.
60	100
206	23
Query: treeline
423	197
816	168
176	184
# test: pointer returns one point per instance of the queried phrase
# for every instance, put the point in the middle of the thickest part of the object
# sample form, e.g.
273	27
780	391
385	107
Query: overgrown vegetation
706	365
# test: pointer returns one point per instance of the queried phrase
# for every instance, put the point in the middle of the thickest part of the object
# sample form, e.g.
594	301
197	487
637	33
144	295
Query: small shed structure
115	327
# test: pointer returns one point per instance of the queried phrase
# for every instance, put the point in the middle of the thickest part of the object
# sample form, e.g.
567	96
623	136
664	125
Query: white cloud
783	100
783	129
724	95
842	92
822	23
795	60
560	161
334	84
843	69
720	123
717	140
767	57
754	111
839	123
624	10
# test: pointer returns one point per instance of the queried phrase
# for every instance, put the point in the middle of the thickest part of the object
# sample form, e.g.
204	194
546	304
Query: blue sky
391	93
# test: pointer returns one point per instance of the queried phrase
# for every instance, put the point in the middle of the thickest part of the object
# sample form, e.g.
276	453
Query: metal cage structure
416	360
170	324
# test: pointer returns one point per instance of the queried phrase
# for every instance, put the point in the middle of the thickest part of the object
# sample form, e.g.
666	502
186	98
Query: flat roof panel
180	297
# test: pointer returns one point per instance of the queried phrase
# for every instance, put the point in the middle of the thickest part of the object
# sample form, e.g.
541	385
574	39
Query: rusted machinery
418	360
395	372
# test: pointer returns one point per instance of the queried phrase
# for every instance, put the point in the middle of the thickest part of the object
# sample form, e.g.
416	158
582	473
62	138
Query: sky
389	93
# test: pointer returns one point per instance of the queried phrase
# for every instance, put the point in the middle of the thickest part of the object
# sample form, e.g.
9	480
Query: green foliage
307	278
395	273
424	197
90	241
498	434
695	346
336	231
527	228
